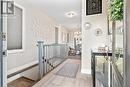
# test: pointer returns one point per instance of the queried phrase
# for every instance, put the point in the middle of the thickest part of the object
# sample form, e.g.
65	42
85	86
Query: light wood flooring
53	80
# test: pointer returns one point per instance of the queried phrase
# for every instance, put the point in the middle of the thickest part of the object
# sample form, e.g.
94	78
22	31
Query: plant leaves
116	10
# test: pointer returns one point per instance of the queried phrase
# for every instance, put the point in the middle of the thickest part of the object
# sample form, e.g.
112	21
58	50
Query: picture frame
93	7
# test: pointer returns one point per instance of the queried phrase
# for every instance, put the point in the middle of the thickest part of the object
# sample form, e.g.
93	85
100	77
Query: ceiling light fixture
71	14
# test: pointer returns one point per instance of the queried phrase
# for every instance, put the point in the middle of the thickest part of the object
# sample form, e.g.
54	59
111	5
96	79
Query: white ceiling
57	9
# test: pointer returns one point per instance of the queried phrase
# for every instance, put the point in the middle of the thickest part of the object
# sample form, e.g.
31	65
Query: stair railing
50	56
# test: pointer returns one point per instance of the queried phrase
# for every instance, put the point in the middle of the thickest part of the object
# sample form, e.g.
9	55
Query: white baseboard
21	67
13	78
86	71
17	69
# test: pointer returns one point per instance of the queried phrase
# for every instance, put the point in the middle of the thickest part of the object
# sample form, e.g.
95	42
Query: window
15	30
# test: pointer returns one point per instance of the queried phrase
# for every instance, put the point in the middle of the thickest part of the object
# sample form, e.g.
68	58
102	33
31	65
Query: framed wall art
93	7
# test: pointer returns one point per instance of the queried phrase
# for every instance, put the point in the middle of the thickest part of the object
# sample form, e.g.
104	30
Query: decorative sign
7	7
93	7
98	32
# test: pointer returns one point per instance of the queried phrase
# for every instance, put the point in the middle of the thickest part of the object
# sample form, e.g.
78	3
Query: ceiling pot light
71	14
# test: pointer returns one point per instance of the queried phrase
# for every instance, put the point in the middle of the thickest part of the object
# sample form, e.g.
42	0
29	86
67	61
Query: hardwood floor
75	57
22	82
53	80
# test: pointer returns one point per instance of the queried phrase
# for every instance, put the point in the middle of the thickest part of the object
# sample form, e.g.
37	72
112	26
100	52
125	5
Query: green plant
116	10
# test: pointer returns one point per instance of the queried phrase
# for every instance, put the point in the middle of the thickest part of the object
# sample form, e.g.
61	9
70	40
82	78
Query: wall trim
86	71
17	69
13	78
21	67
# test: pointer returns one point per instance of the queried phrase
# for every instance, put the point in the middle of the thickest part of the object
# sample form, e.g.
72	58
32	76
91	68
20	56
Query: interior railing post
46	54
60	51
40	58
66	50
47	58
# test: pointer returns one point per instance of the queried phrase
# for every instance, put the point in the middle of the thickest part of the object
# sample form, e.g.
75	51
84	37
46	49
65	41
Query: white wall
89	40
127	44
38	26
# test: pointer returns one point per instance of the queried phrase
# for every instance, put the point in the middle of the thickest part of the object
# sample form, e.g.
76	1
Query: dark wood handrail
20	71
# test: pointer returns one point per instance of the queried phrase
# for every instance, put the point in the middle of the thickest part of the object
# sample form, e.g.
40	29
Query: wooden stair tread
22	82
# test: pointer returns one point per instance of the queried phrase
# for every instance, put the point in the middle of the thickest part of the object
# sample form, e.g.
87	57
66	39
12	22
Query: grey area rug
68	70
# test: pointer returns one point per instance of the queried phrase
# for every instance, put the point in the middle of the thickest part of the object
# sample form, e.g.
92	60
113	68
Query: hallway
53	80
64	43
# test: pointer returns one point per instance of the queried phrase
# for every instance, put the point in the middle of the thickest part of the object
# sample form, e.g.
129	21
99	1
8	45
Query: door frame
3	49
